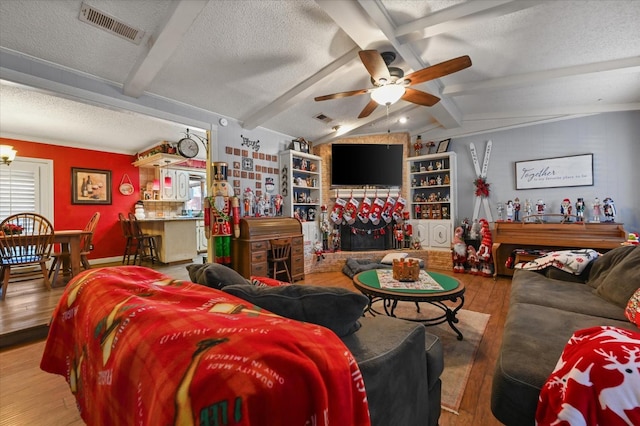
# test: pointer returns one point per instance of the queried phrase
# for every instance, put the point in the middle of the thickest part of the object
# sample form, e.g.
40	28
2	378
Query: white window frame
43	169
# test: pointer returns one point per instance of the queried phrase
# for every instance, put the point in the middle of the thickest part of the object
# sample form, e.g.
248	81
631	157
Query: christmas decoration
376	210
387	209
337	211
398	208
350	211
482	187
365	209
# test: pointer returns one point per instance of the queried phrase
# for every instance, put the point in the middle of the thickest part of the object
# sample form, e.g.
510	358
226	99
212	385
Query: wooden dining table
69	239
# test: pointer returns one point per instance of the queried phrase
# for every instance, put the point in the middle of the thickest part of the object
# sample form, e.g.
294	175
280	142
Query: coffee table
453	291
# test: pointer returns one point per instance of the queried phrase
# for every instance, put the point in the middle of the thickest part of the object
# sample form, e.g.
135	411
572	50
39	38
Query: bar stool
280	251
146	248
130	243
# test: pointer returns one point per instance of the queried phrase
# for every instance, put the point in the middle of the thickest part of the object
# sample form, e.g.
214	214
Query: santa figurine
565	209
540	206
484	251
319	251
222	214
458	251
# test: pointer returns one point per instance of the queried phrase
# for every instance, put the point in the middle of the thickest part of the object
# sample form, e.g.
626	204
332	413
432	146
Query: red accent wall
108	240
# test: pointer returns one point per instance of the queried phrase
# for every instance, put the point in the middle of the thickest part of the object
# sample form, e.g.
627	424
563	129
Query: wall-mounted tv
360	165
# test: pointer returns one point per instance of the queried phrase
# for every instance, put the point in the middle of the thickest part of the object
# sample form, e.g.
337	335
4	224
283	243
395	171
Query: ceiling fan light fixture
388	95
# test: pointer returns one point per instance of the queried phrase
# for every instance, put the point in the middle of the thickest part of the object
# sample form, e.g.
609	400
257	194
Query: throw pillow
337	309
605	263
214	275
622	280
633	308
267	282
389	258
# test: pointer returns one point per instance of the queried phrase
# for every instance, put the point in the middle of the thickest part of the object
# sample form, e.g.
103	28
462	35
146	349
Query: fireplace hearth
366	236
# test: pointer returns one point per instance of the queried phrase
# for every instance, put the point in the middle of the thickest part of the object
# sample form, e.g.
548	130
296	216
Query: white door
168	184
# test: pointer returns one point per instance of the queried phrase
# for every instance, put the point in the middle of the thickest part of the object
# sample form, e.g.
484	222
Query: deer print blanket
596	380
140	348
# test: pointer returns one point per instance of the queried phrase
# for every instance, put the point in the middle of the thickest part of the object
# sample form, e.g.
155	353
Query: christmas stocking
337	211
350	210
376	210
365	208
387	209
398	208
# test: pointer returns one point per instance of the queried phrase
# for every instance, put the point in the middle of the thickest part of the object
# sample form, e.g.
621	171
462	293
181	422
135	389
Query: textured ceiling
263	62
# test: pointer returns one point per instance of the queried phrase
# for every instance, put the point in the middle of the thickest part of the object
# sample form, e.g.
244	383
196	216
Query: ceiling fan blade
439	70
419	97
376	66
368	109
341	95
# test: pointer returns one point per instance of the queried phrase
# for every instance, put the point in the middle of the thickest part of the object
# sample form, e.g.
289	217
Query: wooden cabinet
300	184
174	184
250	252
432	198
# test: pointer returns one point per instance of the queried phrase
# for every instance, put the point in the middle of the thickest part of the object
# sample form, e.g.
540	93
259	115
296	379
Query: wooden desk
507	236
69	239
250	252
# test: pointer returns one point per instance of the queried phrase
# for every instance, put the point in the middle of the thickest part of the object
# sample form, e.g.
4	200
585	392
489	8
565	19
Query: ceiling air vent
323	118
99	19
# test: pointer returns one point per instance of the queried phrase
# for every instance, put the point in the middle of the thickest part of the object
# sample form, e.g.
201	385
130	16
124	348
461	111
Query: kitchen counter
167	219
176	237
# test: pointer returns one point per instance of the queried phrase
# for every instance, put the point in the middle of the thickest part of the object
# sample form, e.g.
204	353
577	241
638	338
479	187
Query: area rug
459	355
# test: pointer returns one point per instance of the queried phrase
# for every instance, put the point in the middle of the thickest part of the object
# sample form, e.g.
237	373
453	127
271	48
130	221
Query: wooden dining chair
26	241
145	244
86	241
279	257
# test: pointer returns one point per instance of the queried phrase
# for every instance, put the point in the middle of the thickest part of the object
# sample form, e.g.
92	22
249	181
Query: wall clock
188	148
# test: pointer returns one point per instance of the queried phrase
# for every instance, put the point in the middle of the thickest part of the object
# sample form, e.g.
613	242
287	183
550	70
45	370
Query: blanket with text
140	348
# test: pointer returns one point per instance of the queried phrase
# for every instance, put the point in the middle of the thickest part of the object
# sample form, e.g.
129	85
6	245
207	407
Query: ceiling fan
391	84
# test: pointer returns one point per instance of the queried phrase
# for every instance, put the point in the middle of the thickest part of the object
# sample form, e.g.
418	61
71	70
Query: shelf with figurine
432	197
300	184
510	211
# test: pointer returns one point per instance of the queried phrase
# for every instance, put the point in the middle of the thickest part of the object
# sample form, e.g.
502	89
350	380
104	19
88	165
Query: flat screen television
377	165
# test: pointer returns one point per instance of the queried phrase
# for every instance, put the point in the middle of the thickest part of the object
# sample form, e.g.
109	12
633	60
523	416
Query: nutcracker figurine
580	209
221	208
609	210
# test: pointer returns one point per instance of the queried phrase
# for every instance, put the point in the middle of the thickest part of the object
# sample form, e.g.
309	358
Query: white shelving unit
433	198
301	191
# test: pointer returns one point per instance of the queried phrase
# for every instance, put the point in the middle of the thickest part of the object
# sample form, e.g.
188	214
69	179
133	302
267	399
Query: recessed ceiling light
402	120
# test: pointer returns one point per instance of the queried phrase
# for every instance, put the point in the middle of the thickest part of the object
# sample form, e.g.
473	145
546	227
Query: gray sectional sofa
545	309
400	362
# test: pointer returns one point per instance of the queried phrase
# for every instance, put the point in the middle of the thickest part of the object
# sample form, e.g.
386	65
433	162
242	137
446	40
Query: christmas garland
377	232
482	187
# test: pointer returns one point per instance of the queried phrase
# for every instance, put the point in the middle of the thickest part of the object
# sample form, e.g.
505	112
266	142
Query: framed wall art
443	146
574	170
90	186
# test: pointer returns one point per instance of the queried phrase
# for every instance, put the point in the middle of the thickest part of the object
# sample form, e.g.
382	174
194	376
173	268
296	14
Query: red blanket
596	381
139	348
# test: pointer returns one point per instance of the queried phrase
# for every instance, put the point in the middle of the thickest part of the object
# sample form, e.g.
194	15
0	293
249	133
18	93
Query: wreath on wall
482	187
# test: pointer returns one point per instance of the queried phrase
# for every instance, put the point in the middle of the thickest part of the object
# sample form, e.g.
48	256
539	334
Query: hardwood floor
28	395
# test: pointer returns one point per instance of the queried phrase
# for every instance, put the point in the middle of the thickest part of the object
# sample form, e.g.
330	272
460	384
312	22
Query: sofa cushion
389	258
534	288
632	310
335	308
214	275
603	266
533	340
622	279
390	353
